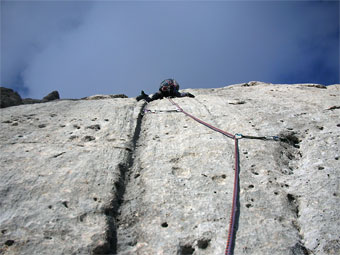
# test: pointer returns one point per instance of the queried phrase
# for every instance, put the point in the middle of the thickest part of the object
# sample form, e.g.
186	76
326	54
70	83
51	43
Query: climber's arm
185	94
156	96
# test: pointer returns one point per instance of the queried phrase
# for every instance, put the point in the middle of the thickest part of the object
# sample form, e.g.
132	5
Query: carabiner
238	136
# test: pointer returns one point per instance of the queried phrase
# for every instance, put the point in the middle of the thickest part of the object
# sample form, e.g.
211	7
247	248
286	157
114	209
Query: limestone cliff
103	177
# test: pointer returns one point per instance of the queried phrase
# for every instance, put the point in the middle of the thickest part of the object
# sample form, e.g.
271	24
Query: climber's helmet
169	86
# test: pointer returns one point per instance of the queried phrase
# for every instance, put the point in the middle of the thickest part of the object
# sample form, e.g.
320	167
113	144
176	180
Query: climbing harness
235	137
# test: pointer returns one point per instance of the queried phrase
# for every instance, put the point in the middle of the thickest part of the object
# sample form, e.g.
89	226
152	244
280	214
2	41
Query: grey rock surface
99	97
9	97
61	169
31	101
98	177
54	95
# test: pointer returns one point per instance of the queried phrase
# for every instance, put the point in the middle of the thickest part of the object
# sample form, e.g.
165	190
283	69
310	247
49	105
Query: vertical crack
111	212
298	248
287	156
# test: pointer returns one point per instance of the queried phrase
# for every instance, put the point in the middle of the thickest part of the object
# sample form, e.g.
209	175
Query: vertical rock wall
82	177
63	166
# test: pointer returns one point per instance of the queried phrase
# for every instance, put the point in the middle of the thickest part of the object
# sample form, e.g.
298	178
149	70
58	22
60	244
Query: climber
168	88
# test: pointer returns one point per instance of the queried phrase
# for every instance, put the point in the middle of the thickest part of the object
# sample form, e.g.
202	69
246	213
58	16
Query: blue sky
82	48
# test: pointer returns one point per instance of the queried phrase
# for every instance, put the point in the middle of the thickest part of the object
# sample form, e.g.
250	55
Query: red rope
202	122
234	204
228	249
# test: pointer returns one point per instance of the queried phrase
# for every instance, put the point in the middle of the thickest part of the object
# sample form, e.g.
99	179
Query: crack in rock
112	211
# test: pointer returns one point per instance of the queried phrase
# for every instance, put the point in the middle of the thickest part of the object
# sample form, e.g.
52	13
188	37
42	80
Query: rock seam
112	212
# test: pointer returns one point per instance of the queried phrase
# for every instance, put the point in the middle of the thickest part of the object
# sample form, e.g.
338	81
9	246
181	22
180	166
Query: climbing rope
236	137
202	122
235	191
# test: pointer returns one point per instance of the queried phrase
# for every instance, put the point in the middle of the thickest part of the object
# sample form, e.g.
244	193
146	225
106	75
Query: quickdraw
275	138
159	111
236	137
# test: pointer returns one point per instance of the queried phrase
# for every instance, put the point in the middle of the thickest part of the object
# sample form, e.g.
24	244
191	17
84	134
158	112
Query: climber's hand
142	96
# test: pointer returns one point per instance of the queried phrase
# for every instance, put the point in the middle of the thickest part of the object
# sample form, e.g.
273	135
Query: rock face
99	97
103	177
31	101
8	97
54	95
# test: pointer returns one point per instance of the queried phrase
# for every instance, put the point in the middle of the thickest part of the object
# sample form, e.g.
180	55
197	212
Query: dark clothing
160	95
168	88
